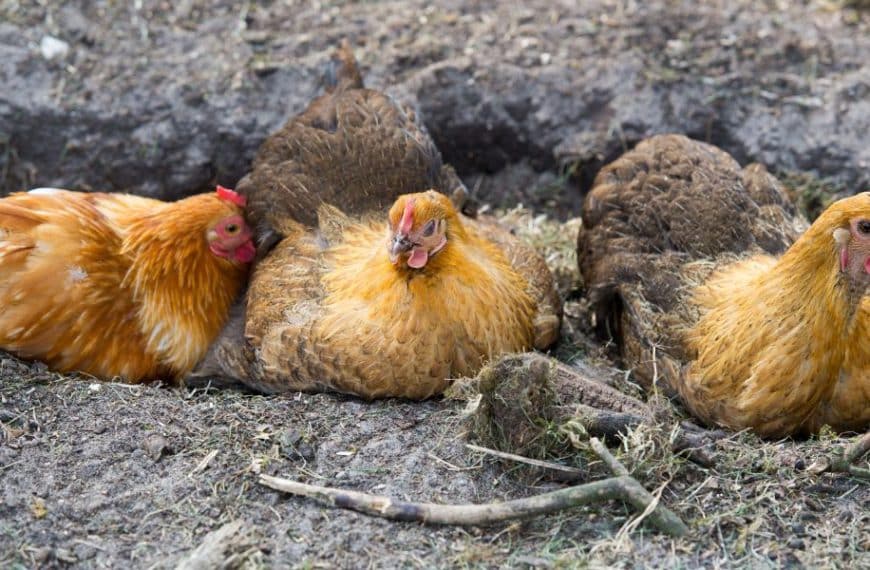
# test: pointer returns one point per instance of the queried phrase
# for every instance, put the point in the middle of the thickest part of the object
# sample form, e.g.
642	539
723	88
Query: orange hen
115	285
775	336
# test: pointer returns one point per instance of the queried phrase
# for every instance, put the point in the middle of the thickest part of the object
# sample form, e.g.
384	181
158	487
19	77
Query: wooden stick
217	548
858	448
620	487
526	460
612	463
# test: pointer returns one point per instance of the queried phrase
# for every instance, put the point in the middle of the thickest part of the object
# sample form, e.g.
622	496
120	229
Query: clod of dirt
156	446
527	400
537	407
516	406
294	447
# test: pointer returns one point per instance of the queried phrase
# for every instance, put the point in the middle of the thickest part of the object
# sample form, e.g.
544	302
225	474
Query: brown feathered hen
847	406
328	309
384	307
700	272
353	148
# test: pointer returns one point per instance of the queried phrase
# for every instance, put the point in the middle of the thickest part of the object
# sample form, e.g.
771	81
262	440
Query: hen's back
354	148
63	299
657	221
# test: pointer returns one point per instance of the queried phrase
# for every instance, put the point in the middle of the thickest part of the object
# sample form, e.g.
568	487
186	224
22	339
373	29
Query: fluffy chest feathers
344	318
795	330
182	297
467	299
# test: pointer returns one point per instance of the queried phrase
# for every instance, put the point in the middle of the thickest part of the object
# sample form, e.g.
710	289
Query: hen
678	253
354	148
348	309
328	309
115	285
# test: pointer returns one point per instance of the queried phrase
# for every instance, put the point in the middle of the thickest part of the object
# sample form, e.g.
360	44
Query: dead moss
514	413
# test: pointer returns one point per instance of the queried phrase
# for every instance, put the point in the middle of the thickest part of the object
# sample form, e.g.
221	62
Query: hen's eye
429	228
232	228
864	227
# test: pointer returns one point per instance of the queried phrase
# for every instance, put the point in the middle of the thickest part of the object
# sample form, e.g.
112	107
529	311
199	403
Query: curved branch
620	487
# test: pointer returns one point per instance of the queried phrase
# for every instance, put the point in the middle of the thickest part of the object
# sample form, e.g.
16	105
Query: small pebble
53	48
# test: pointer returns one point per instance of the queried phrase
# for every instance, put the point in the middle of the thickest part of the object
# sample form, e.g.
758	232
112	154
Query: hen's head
420	226
229	236
851	220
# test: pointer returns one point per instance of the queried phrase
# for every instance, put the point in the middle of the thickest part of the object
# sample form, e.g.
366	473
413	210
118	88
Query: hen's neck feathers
807	280
772	336
172	272
469	267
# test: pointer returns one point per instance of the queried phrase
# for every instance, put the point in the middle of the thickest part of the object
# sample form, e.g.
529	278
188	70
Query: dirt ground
103	475
167	98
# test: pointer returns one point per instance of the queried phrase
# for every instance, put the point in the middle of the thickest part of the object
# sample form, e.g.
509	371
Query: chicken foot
621	486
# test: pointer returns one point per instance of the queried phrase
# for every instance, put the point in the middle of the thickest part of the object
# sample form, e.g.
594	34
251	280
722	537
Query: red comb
231	196
407	217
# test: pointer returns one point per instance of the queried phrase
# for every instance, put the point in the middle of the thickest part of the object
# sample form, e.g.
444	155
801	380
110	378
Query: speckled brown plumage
353	148
680	251
328	310
528	263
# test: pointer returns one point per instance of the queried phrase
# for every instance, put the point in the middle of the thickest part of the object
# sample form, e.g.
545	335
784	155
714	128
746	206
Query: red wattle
418	258
245	252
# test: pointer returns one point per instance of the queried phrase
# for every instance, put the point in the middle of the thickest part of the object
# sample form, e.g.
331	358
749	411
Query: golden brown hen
847	405
116	285
327	309
677	252
383	309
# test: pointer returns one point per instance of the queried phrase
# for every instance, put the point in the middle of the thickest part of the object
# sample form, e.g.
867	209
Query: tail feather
343	74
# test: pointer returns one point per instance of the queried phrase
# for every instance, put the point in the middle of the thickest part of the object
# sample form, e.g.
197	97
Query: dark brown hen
353	148
658	220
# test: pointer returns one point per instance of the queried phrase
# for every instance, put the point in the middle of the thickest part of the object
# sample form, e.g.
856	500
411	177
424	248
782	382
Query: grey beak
400	244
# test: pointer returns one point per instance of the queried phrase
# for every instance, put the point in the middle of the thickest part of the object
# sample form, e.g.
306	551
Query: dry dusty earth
167	98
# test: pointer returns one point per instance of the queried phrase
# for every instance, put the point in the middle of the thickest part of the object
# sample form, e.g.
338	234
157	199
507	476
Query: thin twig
449	465
220	548
526	460
857	449
621	487
612	463
204	463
